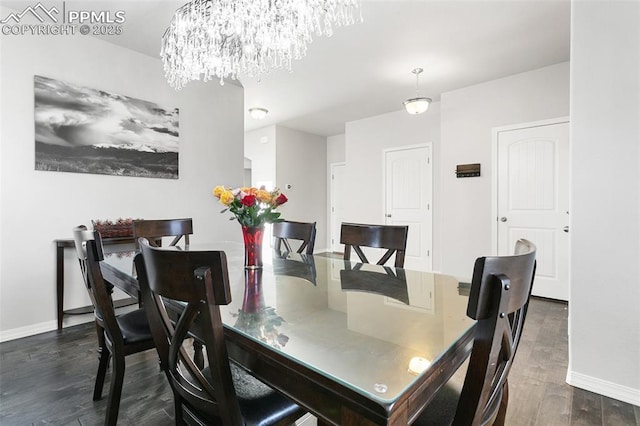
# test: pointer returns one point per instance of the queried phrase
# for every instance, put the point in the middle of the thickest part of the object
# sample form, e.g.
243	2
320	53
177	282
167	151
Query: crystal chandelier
225	38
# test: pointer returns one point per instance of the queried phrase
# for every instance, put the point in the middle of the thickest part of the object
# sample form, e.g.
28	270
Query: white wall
460	128
39	207
365	141
336	148
260	148
301	161
468	115
604	328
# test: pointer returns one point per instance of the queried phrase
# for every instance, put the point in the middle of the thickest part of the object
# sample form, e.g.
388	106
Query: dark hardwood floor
48	380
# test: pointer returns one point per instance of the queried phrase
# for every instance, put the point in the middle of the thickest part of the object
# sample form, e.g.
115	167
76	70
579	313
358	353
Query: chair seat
260	405
442	409
134	326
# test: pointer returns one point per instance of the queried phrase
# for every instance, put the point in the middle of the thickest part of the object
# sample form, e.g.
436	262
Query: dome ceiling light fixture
221	39
258	113
419	104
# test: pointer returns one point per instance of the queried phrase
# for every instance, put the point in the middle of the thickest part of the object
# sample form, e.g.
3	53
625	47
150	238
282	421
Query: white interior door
337	204
533	201
408	199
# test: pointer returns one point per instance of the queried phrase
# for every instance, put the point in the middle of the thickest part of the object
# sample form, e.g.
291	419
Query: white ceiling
365	69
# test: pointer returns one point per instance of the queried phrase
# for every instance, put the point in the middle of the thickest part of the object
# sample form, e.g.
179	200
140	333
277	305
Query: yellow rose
226	197
218	190
248	190
263	196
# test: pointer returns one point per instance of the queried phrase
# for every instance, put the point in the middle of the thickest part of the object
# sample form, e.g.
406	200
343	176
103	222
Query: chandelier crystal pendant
225	38
419	104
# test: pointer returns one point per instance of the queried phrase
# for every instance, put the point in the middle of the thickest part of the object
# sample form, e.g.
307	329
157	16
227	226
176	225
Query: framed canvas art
84	130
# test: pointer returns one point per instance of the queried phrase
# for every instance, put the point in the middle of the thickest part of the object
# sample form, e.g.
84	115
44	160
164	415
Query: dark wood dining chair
393	238
498	300
287	230
154	230
118	335
221	393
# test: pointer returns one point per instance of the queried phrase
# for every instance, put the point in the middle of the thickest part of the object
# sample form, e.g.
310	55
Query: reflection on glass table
256	318
295	264
385	280
365	336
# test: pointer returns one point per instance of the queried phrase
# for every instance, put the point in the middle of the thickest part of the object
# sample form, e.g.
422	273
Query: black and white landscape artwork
83	130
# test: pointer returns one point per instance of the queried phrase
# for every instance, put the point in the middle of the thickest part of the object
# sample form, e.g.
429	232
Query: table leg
60	284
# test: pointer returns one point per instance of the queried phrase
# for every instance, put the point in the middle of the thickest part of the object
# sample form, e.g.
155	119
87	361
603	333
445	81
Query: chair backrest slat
393	238
154	230
499	298
289	230
199	280
88	245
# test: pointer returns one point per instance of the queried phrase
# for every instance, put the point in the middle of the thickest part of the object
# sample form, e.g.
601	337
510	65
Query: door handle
566	229
503	219
387	215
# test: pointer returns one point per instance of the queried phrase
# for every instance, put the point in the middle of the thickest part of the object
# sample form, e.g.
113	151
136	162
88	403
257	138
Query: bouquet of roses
251	206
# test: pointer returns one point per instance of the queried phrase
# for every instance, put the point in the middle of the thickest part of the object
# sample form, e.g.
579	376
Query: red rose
281	199
248	200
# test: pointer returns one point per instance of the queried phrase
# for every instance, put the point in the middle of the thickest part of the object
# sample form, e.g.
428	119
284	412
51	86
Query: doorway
408	179
337	203
532	198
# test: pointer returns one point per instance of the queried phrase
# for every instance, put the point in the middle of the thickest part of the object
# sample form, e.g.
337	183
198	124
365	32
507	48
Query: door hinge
428	252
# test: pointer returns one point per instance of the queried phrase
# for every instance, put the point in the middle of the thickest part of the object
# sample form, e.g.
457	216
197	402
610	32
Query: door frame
330	204
495	133
429	224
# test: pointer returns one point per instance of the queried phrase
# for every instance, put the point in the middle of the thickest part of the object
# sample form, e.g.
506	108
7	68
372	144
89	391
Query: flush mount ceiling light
224	38
258	113
419	104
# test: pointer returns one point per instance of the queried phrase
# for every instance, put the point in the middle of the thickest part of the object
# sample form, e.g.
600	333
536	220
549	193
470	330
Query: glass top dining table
346	340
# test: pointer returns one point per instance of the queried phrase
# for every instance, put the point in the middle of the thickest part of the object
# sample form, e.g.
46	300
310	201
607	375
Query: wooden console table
69	243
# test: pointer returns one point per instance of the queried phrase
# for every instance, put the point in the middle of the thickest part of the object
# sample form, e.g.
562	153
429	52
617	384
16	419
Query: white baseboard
43	327
603	387
29	330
